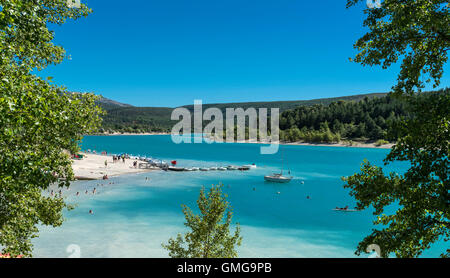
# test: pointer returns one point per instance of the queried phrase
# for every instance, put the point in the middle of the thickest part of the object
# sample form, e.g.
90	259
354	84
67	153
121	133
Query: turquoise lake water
133	216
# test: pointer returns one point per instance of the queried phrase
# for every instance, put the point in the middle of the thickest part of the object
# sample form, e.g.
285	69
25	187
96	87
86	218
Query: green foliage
125	118
422	192
210	231
381	142
40	122
287	105
368	119
138	119
418	31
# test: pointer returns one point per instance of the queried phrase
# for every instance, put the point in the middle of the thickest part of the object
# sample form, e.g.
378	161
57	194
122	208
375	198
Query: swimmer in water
86	192
78	193
307	197
91	212
93	191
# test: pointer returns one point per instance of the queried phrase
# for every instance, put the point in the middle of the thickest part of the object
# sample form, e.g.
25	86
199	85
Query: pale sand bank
340	144
92	166
128	134
354	145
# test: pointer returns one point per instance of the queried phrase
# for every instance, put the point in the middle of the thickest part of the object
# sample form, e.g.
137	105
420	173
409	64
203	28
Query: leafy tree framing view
417	33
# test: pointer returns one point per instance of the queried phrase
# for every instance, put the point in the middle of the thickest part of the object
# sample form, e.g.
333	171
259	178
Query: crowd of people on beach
117	158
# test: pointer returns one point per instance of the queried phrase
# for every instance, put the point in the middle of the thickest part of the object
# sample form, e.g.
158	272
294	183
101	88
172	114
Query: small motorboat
251	166
204	169
195	168
231	168
279	178
188	169
222	169
213	168
244	168
345	209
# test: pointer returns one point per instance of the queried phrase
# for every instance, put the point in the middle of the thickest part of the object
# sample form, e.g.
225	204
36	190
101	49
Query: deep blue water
133	216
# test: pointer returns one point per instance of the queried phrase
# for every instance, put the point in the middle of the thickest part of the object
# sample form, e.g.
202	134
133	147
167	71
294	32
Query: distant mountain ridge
109	104
127	118
286	105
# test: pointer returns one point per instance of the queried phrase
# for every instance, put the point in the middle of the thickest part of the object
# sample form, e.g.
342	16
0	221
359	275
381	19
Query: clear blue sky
170	52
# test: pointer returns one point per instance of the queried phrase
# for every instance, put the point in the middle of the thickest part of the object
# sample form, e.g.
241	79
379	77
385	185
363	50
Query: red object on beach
174	162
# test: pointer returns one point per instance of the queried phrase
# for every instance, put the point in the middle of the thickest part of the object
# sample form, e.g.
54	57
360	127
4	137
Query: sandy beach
341	144
92	167
354	144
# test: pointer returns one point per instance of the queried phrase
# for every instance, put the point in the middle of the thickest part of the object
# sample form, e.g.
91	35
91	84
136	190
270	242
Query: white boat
176	169
195	168
213	168
222	169
278	178
253	166
232	167
346	210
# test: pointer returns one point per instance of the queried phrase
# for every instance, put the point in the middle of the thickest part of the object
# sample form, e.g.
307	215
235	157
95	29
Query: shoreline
342	144
129	134
355	144
92	167
336	145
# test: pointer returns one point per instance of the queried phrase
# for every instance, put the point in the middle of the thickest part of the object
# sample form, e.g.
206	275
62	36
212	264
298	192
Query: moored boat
177	169
279	178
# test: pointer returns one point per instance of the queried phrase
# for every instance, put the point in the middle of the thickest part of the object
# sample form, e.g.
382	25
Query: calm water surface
133	216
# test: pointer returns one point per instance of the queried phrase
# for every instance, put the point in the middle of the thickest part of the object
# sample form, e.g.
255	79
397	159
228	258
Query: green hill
126	118
108	104
287	105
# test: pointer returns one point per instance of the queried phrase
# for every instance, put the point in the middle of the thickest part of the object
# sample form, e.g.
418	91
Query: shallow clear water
133	216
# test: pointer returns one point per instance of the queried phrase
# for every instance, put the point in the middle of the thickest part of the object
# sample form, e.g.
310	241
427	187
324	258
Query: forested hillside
126	118
369	119
361	118
286	105
138	120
